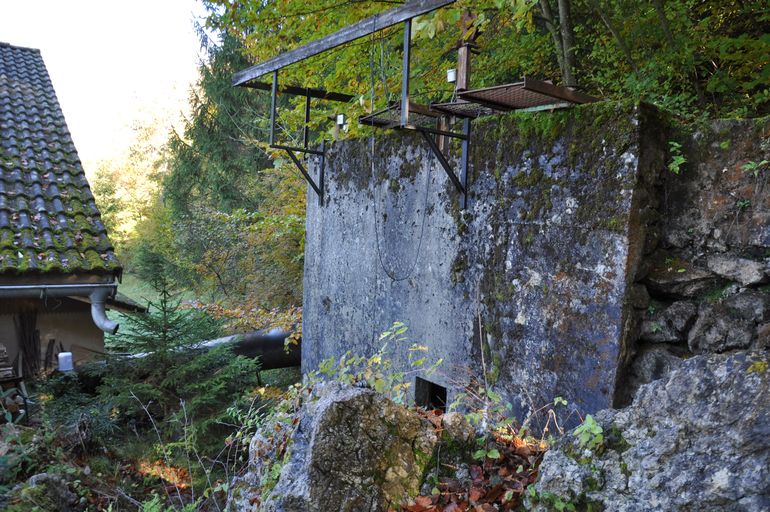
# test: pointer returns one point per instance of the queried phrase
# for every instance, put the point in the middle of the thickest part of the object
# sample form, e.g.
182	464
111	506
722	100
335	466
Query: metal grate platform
463	108
526	93
390	117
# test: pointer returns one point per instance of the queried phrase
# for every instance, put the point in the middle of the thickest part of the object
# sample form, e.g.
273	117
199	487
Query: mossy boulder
352	449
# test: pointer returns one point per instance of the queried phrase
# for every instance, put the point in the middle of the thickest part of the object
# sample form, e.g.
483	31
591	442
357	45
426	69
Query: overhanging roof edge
350	33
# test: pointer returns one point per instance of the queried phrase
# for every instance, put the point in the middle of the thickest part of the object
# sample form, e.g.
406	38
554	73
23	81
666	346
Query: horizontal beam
350	33
302	91
556	91
299	150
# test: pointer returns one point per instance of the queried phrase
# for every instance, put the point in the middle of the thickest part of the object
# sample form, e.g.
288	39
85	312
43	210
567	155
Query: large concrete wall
529	287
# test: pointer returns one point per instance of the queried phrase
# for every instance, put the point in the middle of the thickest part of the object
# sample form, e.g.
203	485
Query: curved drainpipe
97	294
98	298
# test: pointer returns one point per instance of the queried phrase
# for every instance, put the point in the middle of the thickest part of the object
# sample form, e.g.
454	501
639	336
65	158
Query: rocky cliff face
704	284
696	440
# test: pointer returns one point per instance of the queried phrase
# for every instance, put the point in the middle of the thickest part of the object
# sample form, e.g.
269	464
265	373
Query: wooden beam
350	33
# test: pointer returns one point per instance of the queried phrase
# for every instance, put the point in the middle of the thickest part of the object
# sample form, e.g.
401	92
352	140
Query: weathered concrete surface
542	260
698	440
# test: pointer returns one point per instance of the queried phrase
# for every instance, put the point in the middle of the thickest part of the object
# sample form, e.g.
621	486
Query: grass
142	292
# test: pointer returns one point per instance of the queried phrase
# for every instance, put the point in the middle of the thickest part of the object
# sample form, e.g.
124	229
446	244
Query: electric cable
372	144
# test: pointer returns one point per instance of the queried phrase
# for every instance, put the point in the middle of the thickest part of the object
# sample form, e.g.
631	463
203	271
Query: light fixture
451	75
340	119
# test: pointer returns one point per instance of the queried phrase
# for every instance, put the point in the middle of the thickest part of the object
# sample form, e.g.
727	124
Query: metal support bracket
317	187
290	150
460	182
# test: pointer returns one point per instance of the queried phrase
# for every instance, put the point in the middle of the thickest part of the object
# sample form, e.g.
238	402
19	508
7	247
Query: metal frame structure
525	94
308	93
402	14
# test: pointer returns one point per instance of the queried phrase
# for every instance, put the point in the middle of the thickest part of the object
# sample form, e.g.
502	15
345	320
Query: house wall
528	290
66	321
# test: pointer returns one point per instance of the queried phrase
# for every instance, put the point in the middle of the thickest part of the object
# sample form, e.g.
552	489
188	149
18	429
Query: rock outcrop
706	268
698	440
352	450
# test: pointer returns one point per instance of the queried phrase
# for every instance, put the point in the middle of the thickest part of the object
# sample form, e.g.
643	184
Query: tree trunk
567	43
664	22
550	23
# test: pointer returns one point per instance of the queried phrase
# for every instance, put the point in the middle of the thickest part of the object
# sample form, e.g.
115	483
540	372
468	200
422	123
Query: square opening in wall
429	395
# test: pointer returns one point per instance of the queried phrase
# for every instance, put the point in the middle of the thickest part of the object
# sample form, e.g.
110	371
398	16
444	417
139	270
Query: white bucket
65	362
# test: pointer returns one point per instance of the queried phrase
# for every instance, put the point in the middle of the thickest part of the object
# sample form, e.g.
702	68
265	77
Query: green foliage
743	204
689	57
755	167
677	158
481	454
589	433
378	371
169	375
227	222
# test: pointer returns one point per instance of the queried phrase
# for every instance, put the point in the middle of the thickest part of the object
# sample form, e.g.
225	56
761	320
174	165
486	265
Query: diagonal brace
444	163
319	188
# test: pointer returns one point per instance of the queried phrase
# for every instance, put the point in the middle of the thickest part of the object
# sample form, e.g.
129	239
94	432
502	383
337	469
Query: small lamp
451	75
340	119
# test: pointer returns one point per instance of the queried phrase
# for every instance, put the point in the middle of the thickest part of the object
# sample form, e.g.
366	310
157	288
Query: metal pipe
268	345
97	294
98	313
405	72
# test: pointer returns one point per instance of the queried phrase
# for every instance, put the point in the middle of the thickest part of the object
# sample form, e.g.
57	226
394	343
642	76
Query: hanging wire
372	145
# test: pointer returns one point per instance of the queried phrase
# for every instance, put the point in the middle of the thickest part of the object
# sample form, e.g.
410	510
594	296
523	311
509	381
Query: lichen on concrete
542	260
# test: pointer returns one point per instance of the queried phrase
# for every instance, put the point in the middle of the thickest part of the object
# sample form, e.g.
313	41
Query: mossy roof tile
49	221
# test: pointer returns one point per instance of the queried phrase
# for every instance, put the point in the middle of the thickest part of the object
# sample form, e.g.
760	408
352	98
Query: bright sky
112	63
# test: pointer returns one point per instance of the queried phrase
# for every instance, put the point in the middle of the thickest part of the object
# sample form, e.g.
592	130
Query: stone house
58	270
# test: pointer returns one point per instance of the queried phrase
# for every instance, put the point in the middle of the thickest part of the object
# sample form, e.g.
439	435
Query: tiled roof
49	222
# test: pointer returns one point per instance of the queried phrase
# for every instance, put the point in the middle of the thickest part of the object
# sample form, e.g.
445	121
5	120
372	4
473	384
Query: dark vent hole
429	395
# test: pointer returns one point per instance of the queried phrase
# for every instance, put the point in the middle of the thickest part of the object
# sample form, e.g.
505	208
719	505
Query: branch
618	38
664	21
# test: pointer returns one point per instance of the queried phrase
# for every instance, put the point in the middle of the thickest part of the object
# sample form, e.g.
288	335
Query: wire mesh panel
390	117
463	108
507	97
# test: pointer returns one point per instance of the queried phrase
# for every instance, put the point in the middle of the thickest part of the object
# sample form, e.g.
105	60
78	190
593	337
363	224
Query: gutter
96	293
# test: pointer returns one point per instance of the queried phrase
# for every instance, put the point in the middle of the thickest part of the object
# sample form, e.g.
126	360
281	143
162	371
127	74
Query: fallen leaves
495	484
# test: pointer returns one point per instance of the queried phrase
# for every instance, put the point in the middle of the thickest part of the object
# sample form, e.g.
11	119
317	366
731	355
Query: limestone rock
745	271
49	491
763	336
751	305
679	281
730	324
717	330
697	441
352	450
457	427
670	324
653	362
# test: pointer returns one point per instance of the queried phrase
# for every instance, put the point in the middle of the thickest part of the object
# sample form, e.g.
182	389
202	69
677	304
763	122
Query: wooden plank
302	91
556	91
345	35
